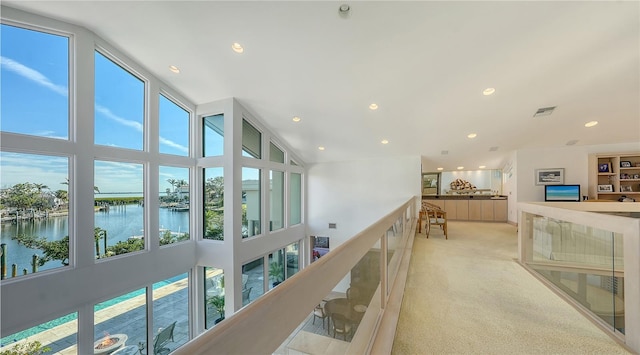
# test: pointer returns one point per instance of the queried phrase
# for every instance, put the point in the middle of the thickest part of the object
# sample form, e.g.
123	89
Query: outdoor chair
245	295
319	312
340	324
163	337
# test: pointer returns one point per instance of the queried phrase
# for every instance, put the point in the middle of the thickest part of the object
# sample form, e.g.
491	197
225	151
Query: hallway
468	295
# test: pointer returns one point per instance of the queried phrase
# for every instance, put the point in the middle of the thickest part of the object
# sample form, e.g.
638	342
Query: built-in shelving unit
612	176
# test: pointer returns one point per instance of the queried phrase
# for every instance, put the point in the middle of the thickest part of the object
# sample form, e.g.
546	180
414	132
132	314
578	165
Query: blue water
120	222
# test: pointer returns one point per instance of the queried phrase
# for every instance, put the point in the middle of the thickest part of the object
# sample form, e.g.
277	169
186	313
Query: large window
35	208
295	198
213	203
254	287
34	81
213	296
293	259
174	128
170	314
174	204
213	135
59	336
275	153
251	141
119	105
276	180
120	321
119	224
251	211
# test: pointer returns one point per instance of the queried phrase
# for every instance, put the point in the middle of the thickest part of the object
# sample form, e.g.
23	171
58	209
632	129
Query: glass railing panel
584	262
339	310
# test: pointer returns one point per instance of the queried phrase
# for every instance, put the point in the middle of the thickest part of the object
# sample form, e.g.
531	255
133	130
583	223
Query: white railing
263	325
589	253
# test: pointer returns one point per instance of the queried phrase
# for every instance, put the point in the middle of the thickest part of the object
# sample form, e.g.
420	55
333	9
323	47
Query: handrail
263	325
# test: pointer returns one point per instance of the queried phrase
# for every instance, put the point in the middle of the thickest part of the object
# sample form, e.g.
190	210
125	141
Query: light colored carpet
467	295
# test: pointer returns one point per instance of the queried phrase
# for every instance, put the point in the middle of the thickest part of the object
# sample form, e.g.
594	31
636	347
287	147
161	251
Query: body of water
120	222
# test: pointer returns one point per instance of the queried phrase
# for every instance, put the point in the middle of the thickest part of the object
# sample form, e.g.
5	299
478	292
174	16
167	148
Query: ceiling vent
572	142
444	152
545	111
493	149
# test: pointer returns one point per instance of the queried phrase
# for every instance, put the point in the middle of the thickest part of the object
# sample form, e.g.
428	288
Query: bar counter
471	207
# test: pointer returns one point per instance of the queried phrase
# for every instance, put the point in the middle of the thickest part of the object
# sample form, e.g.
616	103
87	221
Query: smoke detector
344	10
545	111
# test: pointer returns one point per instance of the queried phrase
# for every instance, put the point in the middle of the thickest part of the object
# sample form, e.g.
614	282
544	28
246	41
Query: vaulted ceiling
425	64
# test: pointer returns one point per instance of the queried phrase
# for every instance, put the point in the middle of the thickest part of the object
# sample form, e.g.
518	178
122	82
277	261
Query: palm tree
95	188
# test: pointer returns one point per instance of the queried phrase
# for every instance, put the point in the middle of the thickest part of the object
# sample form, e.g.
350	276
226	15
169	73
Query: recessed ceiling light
320	148
591	124
472	135
174	69
440	169
237	47
460	167
295	119
481	167
488	91
384	141
373	106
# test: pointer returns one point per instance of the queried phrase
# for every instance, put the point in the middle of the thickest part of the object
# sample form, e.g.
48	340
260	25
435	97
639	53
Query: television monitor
562	193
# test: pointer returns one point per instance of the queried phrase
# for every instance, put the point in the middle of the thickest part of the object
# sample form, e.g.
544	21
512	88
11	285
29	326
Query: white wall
574	160
355	194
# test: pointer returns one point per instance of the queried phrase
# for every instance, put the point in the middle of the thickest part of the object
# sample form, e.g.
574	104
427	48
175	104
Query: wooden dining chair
436	217
340	324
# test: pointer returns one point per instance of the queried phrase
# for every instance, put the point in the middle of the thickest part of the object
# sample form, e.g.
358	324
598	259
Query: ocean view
121	222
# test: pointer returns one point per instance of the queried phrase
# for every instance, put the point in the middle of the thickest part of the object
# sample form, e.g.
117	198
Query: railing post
3	261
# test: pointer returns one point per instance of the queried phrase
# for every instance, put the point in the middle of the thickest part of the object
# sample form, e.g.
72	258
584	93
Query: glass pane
293	258
174	205
213	135
214	296
276	155
59	335
276	268
251	212
119	105
36	205
174	128
251	141
277	200
34	81
293	163
295	197
119	223
170	314
213	203
255	284
586	263
120	321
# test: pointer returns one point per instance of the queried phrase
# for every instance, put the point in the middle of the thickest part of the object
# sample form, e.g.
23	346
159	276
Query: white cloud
110	115
33	75
173	144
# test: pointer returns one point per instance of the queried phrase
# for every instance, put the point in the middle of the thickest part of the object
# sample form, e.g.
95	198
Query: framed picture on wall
605	188
549	176
604	168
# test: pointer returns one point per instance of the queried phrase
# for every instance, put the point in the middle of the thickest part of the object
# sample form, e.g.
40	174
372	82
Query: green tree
52	249
21	196
27	348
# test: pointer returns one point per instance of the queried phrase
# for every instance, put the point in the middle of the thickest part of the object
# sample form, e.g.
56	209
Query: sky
35	87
